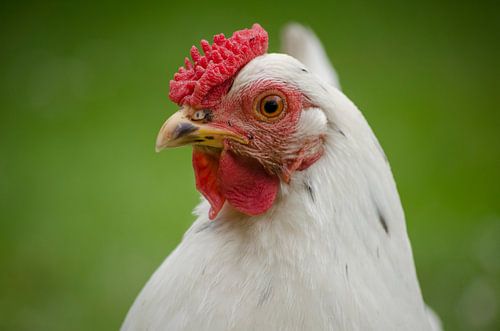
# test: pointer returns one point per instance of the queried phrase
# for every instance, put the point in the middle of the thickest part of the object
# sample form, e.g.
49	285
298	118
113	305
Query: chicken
300	225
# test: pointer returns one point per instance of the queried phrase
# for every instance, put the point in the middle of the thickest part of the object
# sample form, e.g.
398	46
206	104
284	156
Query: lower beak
180	130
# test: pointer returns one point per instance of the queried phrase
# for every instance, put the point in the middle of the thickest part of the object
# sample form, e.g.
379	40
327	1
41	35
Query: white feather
301	43
312	122
319	259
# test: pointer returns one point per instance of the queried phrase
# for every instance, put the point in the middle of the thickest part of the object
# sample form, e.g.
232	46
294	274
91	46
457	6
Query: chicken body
332	253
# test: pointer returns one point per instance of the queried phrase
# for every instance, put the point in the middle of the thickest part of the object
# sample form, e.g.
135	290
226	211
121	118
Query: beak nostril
204	115
183	129
198	116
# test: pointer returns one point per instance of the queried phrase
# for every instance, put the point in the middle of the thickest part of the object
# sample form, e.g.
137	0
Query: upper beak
180	129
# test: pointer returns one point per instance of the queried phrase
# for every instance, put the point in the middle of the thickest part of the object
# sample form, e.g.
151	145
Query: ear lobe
307	156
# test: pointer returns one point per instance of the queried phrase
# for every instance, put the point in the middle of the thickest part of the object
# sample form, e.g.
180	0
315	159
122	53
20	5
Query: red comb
214	72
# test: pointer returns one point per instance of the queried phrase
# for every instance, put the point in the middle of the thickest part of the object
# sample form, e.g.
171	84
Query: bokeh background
88	210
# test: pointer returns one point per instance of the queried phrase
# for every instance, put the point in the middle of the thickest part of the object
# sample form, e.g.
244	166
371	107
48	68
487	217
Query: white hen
329	251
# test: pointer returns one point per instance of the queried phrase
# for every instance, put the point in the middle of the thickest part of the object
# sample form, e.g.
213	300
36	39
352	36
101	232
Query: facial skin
271	139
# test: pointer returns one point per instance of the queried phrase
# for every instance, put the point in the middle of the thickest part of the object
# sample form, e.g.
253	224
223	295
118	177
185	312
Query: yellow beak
187	127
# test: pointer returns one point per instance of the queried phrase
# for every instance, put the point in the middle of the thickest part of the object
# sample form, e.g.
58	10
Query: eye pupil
270	106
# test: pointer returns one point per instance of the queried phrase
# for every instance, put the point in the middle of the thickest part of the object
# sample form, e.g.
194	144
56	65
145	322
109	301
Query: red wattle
245	184
241	181
205	172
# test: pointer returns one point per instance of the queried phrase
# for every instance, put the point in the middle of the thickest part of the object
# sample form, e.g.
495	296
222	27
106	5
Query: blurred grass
88	210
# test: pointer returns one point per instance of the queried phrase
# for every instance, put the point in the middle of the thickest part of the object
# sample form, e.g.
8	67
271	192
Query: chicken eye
271	106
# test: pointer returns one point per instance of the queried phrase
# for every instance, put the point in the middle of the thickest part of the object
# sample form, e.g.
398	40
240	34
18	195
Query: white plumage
332	253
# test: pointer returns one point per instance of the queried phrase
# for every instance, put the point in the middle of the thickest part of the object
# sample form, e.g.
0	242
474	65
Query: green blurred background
88	210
